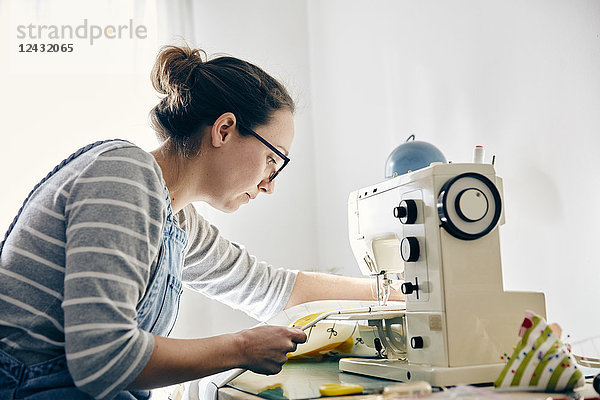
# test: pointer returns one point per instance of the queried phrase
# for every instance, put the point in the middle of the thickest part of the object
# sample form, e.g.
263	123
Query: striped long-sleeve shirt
79	259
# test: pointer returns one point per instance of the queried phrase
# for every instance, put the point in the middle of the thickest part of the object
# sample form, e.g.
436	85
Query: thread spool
478	154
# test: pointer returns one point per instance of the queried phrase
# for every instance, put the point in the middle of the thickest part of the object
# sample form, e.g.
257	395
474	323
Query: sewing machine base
400	370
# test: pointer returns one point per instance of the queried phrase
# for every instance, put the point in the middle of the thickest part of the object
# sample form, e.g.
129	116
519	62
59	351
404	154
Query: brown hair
198	91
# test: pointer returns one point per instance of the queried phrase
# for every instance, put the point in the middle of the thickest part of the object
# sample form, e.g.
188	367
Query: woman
91	269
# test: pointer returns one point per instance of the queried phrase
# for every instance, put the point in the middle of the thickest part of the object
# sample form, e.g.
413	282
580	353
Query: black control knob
410	249
416	342
408	287
406	211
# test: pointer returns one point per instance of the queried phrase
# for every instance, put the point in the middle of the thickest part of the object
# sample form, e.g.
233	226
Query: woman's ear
222	129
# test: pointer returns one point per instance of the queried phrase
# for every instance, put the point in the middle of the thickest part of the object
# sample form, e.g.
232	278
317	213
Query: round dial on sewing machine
416	342
469	206
406	211
410	249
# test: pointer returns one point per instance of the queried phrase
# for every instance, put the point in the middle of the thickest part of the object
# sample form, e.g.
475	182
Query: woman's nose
266	186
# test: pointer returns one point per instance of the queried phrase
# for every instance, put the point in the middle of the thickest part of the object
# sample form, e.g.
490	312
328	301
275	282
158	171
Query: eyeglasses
283	159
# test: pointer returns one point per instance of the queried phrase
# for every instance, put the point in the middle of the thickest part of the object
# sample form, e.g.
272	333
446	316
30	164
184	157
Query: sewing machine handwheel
469	206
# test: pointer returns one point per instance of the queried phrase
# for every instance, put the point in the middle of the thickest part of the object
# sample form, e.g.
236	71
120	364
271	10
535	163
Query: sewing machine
438	228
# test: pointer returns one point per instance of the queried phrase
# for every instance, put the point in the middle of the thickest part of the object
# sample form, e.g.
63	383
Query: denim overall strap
158	309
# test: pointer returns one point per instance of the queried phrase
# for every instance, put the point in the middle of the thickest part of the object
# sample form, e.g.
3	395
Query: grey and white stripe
75	266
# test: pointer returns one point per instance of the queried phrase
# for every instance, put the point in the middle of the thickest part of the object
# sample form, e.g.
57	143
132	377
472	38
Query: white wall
53	103
519	77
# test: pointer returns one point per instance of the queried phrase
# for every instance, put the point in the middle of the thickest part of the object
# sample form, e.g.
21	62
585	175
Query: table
300	379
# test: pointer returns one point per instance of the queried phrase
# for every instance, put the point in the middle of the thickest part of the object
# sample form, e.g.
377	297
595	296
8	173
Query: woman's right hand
264	349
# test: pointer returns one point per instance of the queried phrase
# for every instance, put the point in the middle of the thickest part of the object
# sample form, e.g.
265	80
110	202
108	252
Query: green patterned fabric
540	361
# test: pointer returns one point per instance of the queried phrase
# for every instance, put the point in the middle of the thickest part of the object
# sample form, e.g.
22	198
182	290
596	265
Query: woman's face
242	164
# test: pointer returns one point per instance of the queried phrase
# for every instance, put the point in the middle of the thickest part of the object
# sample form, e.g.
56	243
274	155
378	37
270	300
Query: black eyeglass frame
285	158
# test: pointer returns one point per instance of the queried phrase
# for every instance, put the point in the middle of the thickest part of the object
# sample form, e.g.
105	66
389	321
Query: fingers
297	335
267	347
272	369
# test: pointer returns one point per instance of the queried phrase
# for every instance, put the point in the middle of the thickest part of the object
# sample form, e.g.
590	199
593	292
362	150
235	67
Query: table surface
300	379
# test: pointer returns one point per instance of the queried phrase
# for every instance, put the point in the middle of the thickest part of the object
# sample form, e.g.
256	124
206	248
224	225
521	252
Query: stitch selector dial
410	249
469	206
406	211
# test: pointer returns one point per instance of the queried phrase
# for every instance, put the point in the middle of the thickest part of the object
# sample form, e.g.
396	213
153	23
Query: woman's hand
264	349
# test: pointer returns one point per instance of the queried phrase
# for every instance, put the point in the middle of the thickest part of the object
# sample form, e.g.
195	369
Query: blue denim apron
156	313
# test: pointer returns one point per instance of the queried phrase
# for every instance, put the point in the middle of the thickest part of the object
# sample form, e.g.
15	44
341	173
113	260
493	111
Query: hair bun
195	91
173	71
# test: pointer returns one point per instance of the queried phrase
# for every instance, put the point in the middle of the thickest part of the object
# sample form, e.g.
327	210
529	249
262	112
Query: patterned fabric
540	361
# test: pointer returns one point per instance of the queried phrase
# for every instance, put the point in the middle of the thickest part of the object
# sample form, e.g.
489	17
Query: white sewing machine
439	228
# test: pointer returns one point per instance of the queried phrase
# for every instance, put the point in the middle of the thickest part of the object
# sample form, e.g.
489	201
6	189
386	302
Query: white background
519	77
